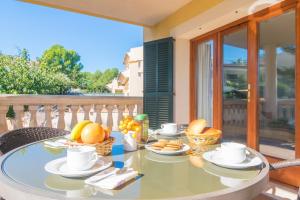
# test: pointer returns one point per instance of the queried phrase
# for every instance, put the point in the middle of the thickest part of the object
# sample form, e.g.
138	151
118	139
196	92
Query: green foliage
24	77
286	82
56	72
57	59
10	113
235	86
96	82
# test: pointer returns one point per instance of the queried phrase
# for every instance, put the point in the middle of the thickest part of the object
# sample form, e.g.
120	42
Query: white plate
59	167
165	159
251	161
161	132
182	150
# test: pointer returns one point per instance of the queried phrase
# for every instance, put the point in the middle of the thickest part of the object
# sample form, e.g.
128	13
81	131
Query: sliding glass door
235	73
277	49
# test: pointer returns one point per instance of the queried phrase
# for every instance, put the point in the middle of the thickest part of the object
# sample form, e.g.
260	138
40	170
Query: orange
106	131
92	133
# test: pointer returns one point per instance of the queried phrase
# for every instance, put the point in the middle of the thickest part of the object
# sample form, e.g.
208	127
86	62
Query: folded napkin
61	143
113	181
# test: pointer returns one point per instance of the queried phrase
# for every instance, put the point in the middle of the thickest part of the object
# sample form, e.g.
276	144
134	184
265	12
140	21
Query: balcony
63	112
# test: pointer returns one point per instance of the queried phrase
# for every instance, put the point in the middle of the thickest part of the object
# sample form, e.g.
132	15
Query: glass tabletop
163	176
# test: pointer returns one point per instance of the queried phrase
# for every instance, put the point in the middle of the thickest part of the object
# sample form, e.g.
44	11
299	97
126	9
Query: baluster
74	111
48	119
3	123
61	117
109	109
33	121
98	109
121	109
139	108
19	111
86	110
130	109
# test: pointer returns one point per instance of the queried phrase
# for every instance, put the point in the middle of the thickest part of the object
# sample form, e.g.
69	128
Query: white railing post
86	110
74	111
19	113
98	110
48	119
121	109
61	117
130	109
109	109
3	122
33	109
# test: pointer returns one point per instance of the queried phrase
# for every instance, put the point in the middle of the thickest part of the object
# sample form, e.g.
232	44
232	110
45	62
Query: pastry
196	126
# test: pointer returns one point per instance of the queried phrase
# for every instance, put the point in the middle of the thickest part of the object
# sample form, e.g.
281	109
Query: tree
58	59
96	82
24	77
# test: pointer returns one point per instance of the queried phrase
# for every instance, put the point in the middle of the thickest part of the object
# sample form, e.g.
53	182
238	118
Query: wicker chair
18	137
285	164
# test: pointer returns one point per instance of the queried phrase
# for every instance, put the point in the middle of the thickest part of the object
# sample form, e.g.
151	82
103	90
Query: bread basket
208	138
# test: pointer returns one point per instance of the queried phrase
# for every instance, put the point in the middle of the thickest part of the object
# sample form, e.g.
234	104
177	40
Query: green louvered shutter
158	81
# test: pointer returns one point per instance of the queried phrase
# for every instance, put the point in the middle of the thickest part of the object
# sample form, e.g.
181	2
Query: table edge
247	190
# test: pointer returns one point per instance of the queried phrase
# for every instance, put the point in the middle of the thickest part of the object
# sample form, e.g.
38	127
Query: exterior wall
181	81
188	26
130	81
136	78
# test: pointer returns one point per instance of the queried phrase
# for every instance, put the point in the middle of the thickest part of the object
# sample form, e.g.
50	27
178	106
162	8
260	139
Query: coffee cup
232	152
81	158
169	128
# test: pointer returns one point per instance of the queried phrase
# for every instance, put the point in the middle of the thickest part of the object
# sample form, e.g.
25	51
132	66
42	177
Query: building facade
130	81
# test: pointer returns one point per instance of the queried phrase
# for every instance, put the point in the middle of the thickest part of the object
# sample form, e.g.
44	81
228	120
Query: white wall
181	80
136	81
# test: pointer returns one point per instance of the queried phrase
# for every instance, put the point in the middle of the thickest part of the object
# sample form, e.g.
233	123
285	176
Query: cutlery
107	173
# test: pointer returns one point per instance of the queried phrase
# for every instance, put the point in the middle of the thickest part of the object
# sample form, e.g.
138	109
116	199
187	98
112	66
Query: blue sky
101	43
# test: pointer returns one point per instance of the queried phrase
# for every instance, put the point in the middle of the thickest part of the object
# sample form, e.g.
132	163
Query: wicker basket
204	139
104	148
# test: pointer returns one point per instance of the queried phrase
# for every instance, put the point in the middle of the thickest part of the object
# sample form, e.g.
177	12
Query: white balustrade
46	110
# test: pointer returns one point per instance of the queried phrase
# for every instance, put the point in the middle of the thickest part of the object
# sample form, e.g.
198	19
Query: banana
76	131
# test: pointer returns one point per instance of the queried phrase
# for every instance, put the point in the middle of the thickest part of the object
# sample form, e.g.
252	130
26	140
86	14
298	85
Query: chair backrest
18	137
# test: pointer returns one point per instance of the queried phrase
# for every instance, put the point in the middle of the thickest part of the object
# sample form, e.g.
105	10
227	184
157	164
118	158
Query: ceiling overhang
145	13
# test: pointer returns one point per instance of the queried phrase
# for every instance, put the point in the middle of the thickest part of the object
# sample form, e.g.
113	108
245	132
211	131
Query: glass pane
235	86
277	85
205	81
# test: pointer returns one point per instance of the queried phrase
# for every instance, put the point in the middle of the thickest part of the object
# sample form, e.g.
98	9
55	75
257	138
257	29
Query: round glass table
164	177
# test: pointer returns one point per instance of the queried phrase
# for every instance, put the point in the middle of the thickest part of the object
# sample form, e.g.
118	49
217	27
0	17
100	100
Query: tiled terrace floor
278	191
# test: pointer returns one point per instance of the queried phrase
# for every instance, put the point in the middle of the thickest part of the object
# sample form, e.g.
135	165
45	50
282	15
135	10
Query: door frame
252	21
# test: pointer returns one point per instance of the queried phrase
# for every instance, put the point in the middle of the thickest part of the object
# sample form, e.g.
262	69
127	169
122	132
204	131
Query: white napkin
61	143
115	180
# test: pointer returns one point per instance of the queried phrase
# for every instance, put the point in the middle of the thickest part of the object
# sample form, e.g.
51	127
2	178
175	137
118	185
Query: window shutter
158	81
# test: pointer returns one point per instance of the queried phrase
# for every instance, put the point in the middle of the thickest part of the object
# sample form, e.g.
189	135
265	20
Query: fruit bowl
103	148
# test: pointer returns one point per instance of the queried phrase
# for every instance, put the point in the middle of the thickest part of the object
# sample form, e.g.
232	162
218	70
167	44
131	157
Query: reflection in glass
235	86
204	73
277	85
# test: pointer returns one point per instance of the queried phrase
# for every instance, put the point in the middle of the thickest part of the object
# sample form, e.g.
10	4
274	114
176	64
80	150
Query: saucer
59	167
180	151
165	159
250	161
170	134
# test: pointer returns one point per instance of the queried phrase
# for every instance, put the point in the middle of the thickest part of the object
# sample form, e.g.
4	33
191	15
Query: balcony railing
235	111
65	111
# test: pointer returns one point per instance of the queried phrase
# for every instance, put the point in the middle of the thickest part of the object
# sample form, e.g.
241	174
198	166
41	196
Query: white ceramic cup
232	152
169	128
81	158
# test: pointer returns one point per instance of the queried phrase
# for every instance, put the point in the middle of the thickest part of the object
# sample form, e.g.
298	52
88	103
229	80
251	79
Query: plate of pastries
168	147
